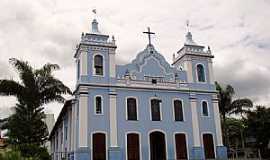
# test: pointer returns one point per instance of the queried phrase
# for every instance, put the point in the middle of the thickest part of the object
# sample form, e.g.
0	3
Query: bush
11	155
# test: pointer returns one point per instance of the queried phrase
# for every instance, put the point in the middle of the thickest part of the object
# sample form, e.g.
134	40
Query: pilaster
113	120
83	120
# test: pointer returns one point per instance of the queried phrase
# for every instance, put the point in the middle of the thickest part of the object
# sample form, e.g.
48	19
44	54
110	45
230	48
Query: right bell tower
196	60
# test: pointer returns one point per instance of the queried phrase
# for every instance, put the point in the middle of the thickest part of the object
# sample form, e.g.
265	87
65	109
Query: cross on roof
149	34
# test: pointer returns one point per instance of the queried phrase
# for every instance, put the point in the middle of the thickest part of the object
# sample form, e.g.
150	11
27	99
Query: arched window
200	73
131	109
205	108
98	65
98	105
178	110
155	109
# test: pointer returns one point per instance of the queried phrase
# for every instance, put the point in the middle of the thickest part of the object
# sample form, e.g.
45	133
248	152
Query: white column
210	72
113	121
73	121
83	63
112	65
217	123
188	68
195	123
83	120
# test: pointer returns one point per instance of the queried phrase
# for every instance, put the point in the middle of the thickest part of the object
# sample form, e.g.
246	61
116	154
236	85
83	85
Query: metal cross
149	34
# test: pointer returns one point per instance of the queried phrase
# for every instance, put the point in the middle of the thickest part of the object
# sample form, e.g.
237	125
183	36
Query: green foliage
11	155
229	106
41	154
26	129
258	122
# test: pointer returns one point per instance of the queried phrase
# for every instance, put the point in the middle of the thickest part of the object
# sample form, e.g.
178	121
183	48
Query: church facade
145	110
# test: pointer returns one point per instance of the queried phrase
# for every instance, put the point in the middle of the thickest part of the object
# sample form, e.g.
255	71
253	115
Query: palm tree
229	106
36	88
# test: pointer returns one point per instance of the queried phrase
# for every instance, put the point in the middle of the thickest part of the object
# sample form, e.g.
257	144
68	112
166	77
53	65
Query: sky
42	31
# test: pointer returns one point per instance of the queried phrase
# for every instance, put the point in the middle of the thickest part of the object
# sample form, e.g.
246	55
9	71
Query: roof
67	104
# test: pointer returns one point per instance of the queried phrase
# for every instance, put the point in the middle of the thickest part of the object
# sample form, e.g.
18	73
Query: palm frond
25	72
11	88
47	69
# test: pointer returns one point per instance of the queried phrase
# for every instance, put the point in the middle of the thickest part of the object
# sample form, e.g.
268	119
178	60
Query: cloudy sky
42	31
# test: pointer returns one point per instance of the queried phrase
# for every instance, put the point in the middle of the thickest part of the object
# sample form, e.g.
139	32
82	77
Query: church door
133	146
180	146
208	145
99	146
157	146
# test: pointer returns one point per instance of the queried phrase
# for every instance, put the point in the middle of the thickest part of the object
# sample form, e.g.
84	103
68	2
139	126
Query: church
147	109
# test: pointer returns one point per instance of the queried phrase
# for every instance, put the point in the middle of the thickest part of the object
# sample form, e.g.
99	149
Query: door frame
214	141
106	143
187	148
149	143
140	144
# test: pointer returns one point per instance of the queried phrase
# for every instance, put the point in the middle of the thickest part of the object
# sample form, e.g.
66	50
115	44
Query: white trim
137	108
217	123
83	120
214	142
112	64
197	78
83	63
208	110
174	141
106	143
210	71
183	110
93	65
113	121
102	112
140	144
160	109
165	139
195	123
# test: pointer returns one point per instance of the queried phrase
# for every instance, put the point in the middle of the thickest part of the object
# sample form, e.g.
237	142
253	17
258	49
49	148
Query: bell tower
95	56
195	60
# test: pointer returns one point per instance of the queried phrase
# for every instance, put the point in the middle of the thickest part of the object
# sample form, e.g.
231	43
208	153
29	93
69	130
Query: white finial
187	25
94	22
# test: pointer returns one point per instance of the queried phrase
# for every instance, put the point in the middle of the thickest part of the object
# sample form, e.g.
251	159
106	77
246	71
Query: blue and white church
147	109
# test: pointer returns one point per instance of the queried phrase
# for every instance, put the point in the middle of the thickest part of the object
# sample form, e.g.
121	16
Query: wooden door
208	145
181	146
99	146
133	147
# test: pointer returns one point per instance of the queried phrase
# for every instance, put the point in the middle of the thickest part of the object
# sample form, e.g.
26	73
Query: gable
148	63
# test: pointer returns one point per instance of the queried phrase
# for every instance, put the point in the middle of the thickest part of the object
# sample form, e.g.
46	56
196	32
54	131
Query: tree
258	122
36	88
229	106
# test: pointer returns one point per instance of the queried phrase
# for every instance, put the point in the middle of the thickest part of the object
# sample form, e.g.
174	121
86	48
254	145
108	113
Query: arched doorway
133	146
208	144
181	146
157	146
99	146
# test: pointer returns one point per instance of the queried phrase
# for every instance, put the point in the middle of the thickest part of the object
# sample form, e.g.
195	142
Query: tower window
178	110
98	105
131	109
98	65
155	109
200	73
205	108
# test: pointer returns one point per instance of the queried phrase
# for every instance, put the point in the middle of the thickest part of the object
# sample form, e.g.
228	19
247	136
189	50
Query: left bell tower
95	56
95	60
